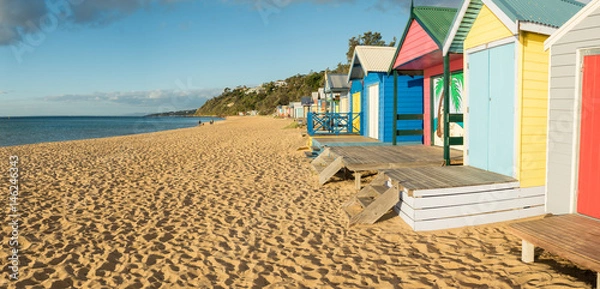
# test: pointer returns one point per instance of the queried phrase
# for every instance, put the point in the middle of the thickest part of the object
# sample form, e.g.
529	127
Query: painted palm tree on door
456	89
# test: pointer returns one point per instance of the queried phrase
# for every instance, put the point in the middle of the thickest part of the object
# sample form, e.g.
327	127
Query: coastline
233	205
63	129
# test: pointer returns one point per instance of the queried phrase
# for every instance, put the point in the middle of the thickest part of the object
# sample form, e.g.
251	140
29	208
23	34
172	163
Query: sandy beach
231	205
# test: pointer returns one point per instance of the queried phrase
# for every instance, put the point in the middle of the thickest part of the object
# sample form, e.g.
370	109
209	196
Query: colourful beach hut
506	80
573	183
337	89
573	157
420	53
372	95
297	109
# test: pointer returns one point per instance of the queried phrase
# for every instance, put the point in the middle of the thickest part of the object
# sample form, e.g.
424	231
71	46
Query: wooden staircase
372	202
327	165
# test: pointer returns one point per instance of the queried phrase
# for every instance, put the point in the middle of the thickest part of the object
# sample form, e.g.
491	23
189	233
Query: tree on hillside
368	38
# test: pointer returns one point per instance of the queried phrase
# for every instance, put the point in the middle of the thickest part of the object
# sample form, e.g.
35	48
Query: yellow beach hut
506	79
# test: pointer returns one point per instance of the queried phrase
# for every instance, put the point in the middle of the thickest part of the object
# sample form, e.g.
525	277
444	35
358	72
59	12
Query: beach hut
506	80
307	103
573	157
315	101
572	179
372	95
285	109
337	89
420	53
297	109
322	102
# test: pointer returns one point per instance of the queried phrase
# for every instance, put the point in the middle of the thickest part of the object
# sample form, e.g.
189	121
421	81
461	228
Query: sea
31	130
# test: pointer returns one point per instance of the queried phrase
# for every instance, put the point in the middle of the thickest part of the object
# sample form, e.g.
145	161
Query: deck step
327	159
365	201
327	165
371	203
379	189
319	168
352	208
323	161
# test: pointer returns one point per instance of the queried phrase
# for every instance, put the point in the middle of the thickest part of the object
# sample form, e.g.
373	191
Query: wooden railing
333	123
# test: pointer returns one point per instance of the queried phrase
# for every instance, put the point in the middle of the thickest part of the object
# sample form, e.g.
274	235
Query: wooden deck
435	198
364	158
572	237
345	140
359	159
419	181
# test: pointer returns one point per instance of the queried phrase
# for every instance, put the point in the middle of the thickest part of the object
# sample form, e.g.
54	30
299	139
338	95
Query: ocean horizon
22	130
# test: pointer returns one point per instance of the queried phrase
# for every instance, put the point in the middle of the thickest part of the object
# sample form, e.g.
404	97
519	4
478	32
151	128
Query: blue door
492	108
478	109
502	110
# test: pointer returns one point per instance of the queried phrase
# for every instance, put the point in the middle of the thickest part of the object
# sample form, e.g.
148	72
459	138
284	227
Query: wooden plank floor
573	237
345	140
427	178
357	158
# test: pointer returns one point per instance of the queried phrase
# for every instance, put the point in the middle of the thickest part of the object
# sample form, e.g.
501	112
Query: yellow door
355	110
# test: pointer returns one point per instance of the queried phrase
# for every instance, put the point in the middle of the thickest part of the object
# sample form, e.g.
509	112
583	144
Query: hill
189	112
268	96
264	98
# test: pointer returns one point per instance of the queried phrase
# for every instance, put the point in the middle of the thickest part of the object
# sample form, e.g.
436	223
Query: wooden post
309	124
527	252
357	176
447	80
395	114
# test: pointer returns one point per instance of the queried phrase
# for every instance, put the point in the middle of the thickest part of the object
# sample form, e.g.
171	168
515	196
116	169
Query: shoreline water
233	205
43	129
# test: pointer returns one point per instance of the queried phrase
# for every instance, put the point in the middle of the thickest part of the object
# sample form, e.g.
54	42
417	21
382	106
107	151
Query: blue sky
118	57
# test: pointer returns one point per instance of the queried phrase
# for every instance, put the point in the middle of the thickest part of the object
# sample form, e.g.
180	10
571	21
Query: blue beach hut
336	89
372	95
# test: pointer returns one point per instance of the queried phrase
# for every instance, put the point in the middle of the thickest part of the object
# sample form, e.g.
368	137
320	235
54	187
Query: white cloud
171	99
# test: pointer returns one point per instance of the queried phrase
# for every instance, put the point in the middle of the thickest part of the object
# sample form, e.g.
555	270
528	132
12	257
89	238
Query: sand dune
232	205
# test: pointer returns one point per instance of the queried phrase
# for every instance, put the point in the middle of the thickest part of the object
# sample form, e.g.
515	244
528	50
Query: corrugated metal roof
435	20
590	8
375	58
464	24
337	82
552	13
370	59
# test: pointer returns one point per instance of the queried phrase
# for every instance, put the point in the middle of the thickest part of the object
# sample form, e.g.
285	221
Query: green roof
435	20
465	25
547	12
552	13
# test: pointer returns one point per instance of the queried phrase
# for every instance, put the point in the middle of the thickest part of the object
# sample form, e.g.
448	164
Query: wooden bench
573	237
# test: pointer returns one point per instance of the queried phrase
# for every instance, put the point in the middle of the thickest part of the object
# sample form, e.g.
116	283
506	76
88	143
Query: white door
373	111
344	105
